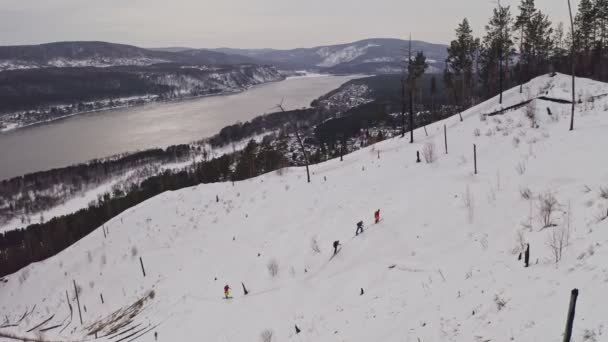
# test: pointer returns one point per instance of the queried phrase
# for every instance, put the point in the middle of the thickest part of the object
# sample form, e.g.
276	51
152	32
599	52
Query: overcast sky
244	23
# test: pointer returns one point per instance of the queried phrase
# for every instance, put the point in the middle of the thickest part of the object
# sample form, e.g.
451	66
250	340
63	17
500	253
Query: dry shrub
521	168
547	206
604	192
273	267
531	114
428	151
525	193
557	240
266	335
314	244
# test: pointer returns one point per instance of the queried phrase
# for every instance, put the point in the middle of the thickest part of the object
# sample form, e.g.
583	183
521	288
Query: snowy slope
432	269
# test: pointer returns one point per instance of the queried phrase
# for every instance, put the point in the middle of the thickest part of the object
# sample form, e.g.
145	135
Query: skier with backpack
359	228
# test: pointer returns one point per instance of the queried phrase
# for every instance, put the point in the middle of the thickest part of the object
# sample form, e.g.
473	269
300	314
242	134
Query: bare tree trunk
295	128
77	301
445	135
403	105
521	65
500	76
464	94
573	70
411	91
143	270
411	117
475	157
303	150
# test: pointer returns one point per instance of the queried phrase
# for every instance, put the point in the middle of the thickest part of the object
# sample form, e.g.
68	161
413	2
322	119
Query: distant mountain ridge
378	55
103	54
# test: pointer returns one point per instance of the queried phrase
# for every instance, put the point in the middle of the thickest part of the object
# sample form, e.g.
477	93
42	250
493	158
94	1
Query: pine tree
559	42
433	91
585	26
461	57
601	21
415	69
497	49
540	43
527	11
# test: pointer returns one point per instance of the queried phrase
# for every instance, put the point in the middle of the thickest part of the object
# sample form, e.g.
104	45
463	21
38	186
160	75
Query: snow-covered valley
441	265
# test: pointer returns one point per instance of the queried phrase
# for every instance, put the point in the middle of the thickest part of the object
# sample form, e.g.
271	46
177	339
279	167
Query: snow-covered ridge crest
442	265
100	62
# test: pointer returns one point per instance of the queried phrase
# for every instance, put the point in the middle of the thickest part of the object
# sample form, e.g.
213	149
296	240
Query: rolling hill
103	54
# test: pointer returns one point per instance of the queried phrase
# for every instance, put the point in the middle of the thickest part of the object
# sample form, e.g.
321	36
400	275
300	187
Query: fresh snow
432	270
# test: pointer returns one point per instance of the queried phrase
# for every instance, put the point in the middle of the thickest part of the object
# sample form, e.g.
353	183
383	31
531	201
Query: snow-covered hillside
333	56
442	265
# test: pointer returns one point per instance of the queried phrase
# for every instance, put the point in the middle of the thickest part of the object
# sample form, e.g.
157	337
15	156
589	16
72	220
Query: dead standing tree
300	142
572	51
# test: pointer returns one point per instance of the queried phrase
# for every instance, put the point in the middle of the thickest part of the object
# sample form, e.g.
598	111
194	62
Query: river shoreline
101	134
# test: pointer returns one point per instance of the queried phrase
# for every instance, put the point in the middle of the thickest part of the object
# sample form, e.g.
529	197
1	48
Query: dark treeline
31	89
431	98
262	124
42	187
522	43
19	248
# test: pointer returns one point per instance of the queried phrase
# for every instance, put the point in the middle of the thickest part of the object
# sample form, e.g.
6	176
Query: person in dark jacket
359	228
336	245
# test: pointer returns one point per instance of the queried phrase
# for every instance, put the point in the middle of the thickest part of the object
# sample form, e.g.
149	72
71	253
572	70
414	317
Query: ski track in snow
456	276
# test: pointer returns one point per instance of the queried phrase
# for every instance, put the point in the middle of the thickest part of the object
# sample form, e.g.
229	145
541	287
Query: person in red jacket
227	291
377	215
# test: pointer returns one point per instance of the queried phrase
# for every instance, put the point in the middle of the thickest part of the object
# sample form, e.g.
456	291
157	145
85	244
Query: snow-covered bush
273	267
266	335
604	192
134	251
314	244
25	273
500	302
531	114
516	141
476	132
589	336
428	151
